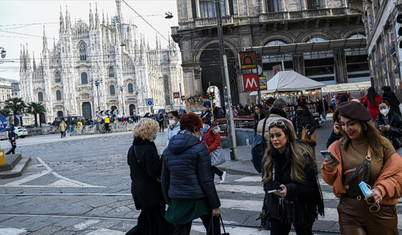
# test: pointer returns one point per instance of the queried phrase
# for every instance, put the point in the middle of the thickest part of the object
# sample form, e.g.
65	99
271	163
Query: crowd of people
364	144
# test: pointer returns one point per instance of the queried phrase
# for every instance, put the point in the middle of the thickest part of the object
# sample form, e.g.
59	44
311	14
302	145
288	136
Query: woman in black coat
145	172
304	118
290	168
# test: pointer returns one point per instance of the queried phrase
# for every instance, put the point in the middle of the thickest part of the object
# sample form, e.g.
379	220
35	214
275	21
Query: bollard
2	157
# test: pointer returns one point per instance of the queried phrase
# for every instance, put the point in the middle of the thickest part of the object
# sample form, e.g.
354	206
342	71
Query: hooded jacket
186	170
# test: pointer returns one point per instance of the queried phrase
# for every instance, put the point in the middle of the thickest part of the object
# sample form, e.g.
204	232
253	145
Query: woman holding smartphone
364	155
390	124
293	194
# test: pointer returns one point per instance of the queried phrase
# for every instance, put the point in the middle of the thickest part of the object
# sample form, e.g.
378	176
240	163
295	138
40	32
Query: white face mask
384	112
171	122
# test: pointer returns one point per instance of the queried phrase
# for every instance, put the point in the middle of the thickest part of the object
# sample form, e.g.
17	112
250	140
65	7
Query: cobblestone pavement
81	185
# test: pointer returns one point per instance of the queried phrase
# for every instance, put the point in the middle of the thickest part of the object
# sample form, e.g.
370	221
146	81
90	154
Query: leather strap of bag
263	129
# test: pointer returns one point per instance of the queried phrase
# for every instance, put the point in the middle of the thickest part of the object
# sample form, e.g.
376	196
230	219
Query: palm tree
35	109
16	105
5	112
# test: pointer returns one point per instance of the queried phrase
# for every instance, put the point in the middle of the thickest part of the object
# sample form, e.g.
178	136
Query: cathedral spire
61	30
44	39
68	21
96	16
91	18
33	61
119	14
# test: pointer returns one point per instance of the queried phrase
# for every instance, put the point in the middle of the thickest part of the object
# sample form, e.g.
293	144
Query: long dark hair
298	162
371	94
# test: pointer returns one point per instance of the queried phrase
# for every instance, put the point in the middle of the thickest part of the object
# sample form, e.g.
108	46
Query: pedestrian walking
174	125
371	101
161	120
290	171
187	181
390	124
107	123
364	155
389	95
304	120
210	137
205	113
322	108
258	115
63	128
12	137
145	172
336	133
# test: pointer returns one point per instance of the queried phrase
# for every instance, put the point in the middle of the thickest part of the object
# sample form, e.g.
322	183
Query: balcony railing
264	17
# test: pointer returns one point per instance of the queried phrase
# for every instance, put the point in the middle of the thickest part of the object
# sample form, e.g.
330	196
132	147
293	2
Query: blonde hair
145	129
297	159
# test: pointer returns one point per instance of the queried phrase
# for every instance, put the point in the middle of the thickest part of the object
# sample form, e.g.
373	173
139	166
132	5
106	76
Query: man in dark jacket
322	108
389	95
12	137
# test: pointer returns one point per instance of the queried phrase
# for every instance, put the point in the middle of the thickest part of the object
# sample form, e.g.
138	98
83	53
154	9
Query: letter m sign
250	82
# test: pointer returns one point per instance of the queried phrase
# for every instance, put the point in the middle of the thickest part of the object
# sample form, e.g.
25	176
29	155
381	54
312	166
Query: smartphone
274	190
328	155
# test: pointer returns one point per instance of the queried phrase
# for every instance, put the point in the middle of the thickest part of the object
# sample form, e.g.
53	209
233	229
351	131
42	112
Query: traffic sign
149	101
3	123
183	98
176	95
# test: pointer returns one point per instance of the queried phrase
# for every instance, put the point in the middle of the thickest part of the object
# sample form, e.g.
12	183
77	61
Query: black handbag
352	177
211	226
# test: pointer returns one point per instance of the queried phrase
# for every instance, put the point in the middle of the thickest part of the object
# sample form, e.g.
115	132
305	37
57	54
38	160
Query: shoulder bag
217	156
304	136
352	177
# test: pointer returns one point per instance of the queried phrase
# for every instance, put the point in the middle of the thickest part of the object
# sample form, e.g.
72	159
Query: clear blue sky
21	22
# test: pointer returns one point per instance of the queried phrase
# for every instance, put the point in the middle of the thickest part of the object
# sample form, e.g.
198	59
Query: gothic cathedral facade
97	66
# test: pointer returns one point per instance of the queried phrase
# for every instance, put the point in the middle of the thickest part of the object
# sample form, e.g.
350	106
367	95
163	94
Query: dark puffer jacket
187	172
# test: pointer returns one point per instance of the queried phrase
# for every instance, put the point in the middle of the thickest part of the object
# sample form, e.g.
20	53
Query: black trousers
279	228
185	229
152	222
161	126
12	150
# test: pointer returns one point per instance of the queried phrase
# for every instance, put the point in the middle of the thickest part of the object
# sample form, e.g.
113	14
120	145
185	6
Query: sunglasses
276	123
373	205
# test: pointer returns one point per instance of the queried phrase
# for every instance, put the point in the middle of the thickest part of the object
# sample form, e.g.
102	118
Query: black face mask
299	111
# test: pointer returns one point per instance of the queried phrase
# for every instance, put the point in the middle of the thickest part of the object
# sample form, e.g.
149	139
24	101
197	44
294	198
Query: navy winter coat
187	172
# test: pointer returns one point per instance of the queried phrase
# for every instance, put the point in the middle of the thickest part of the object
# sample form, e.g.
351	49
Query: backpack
258	149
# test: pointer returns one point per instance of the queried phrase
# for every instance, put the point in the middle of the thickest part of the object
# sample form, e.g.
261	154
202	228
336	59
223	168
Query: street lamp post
122	99
226	84
97	82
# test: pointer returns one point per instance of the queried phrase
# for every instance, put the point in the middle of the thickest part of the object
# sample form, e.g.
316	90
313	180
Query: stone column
298	63
341	74
192	83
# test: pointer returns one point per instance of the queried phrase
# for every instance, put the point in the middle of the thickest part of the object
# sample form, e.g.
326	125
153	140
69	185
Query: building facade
102	64
322	39
6	91
383	43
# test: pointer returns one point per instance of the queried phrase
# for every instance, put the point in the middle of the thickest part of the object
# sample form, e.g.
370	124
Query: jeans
324	115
